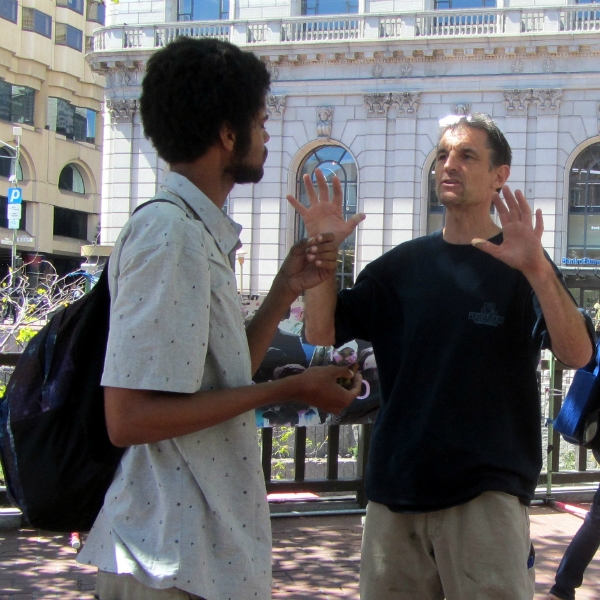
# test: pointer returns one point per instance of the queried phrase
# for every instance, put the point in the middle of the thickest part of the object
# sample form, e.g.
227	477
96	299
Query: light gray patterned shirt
189	512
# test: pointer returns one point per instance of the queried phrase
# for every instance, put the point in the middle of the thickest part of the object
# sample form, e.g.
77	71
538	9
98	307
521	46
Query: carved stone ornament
547	101
324	121
406	69
273	72
275	106
122	110
548	66
122	77
517	102
461	109
377	71
407	103
377	105
517	66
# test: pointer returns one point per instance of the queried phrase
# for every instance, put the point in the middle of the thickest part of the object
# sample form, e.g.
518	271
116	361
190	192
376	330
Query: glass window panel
6	162
576	235
70	180
328	7
8	10
22	104
332	153
70	223
76	5
69	36
457	4
96	11
5	100
42	24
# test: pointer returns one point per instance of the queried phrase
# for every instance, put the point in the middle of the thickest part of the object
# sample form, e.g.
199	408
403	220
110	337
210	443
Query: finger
338	194
500	208
514	211
322	238
356	385
326	260
297	205
310	190
523	206
539	223
322	185
357	218
486	246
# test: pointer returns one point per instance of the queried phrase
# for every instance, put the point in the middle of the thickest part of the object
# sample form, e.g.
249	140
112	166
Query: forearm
262	327
144	417
571	343
319	313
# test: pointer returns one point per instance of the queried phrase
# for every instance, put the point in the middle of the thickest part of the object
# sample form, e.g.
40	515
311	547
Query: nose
266	136
450	162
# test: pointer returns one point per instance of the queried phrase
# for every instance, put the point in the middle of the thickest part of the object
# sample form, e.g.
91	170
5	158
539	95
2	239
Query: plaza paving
313	557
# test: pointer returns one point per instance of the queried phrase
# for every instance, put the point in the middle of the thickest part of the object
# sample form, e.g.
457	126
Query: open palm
325	214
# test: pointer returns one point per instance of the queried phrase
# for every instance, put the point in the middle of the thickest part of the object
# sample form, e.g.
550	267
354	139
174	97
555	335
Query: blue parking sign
15	195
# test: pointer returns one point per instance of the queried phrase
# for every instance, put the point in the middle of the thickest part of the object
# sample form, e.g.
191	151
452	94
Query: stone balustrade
355	27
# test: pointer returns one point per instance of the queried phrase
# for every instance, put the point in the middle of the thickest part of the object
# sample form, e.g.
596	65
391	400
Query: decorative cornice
517	102
378	105
324	121
377	70
407	103
121	110
547	101
275	106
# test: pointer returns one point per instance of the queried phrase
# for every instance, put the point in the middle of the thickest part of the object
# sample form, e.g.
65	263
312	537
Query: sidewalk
313	558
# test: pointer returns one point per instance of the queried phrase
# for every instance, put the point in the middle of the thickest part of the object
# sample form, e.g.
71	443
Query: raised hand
521	247
325	214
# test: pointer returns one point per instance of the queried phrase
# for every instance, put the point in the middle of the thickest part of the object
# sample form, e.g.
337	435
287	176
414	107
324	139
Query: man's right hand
319	386
325	214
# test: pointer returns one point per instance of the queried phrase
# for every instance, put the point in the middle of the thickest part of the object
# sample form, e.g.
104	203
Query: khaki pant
110	586
476	551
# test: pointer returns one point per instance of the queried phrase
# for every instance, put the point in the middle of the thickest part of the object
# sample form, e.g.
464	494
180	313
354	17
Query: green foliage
24	335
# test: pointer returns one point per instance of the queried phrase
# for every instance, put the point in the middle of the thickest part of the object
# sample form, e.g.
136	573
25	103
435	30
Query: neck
207	177
462	227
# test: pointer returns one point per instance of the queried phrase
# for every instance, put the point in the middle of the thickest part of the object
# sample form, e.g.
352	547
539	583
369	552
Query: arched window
583	239
7	162
71	180
333	160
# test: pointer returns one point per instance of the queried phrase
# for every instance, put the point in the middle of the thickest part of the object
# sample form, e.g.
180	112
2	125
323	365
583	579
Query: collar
224	230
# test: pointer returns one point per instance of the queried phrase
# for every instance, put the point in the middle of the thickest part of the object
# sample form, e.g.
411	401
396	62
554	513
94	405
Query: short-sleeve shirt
188	512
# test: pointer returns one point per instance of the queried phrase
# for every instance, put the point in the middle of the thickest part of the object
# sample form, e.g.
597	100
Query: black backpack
56	456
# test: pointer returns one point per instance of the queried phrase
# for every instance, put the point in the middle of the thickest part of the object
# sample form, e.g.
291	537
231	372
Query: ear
227	136
502	175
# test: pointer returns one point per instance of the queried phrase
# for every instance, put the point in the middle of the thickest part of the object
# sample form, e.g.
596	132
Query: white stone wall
543	90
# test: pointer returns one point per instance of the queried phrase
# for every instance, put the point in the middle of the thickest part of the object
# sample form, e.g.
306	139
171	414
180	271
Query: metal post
17	131
552	369
241	256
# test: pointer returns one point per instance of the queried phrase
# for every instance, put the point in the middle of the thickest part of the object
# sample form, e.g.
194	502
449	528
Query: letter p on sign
14	196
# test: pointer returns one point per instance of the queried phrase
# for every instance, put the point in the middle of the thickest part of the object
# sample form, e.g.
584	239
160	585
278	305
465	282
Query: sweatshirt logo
487	316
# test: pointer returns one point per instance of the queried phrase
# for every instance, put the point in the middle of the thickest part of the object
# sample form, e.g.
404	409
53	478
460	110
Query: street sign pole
12	222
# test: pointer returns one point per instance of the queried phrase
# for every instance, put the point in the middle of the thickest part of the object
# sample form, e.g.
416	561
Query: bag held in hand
578	419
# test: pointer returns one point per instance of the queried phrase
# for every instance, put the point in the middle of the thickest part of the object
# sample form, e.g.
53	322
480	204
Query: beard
242	171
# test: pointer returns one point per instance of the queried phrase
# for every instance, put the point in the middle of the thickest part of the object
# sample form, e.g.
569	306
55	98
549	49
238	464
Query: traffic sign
13	211
13	224
15	195
25	240
6	242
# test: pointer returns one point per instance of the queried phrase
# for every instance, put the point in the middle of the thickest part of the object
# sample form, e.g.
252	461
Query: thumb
486	246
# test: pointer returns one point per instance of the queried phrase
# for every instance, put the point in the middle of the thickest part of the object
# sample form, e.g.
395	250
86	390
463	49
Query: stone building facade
361	93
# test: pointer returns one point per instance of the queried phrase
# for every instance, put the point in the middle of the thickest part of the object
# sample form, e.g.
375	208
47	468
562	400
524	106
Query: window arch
583	239
333	160
71	180
7	164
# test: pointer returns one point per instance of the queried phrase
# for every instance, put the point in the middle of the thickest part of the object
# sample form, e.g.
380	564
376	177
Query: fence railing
565	464
356	27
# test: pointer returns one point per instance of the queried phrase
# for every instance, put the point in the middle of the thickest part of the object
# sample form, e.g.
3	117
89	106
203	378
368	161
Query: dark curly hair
192	87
